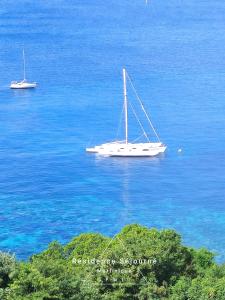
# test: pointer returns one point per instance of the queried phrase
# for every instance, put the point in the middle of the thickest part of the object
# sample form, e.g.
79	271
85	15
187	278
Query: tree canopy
137	263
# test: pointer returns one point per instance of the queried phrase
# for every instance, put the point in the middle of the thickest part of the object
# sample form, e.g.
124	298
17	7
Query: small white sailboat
24	84
126	148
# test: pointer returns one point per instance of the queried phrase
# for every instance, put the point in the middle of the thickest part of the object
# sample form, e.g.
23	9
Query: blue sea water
50	189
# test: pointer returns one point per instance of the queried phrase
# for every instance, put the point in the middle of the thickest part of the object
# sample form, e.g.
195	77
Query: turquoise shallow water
49	187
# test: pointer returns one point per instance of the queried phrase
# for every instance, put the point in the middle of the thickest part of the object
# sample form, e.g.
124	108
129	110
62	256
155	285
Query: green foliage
86	245
7	268
138	263
202	260
7	273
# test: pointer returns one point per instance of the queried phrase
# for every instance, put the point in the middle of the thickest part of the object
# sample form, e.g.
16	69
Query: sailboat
24	84
126	148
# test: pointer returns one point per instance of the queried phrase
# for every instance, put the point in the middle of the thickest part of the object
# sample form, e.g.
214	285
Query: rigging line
138	138
145	134
120	121
142	106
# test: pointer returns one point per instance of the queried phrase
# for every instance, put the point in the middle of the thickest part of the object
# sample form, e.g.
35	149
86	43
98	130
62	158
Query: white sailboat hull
23	85
130	153
123	149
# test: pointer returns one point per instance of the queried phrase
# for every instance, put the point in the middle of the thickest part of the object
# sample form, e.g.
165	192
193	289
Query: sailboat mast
125	105
24	66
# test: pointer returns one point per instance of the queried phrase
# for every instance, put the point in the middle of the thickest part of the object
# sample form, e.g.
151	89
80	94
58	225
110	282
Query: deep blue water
49	187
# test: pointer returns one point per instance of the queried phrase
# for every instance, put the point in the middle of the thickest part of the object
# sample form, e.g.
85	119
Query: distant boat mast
24	66
125	105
